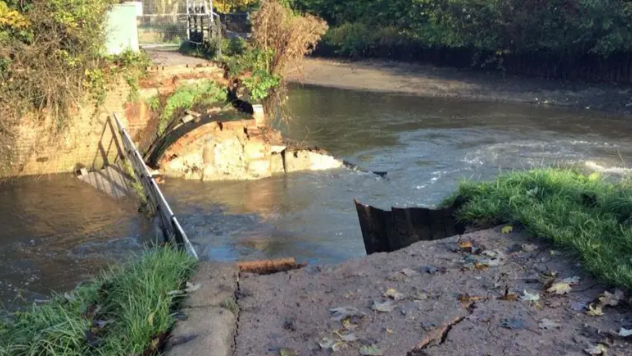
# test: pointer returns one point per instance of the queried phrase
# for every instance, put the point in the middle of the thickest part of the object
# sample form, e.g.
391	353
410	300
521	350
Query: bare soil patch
427	80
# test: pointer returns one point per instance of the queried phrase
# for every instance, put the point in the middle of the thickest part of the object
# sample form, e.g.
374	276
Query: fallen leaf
530	297
509	297
548	324
393	294
571	280
594	311
390	331
288	352
326	343
409	272
611	299
596	350
529	247
370	351
466	298
560	288
337	346
192	287
348	324
514	323
385	307
346	337
150	319
625	332
466	246
507	229
341	313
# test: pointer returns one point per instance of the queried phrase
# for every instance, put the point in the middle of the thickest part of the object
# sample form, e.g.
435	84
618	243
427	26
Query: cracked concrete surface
445	309
209	323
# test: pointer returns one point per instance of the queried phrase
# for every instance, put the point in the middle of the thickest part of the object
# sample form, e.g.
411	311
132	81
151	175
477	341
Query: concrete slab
210	313
218	282
448	302
207	331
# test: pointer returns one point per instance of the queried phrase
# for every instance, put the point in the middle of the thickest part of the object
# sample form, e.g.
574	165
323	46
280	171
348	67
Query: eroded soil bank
426	80
434	298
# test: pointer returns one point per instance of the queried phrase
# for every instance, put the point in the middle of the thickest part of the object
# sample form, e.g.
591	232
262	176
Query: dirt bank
437	298
426	80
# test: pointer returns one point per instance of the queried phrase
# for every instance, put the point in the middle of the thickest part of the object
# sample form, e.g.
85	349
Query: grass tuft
127	311
587	215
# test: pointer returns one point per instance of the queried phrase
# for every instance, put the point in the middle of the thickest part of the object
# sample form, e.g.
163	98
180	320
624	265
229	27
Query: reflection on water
426	145
56	231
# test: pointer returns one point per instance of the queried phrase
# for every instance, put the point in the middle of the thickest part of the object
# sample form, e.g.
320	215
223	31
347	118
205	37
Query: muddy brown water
56	231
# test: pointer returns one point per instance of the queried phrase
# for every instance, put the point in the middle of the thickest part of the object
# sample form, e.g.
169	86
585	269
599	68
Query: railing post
169	223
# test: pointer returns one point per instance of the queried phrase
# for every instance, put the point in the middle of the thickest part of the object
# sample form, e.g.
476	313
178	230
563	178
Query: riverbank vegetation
280	37
587	215
52	57
127	311
589	39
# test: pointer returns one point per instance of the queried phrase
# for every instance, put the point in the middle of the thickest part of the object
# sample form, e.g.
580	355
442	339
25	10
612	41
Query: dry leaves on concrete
383	307
611	299
563	287
596	350
370	350
393	294
341	313
548	324
625	332
529	297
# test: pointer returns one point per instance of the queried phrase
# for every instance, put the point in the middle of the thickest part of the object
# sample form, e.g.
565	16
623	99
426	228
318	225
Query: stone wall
87	140
238	150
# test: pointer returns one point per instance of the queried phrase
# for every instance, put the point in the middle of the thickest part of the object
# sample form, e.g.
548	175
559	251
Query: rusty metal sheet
387	231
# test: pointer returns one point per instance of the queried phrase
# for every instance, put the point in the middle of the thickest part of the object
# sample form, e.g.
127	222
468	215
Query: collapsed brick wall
87	140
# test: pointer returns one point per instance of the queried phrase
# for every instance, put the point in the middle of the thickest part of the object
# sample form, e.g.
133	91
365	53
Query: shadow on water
57	231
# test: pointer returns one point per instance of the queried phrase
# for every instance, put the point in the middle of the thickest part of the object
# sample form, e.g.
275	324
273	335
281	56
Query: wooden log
269	266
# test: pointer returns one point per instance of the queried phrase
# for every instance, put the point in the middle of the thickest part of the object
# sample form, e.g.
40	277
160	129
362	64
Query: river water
56	231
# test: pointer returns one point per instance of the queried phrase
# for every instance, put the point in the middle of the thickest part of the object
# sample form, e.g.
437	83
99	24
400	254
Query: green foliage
259	83
585	214
124	312
187	96
565	28
252	64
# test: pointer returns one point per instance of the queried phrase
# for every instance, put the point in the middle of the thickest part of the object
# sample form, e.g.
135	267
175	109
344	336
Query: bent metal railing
171	228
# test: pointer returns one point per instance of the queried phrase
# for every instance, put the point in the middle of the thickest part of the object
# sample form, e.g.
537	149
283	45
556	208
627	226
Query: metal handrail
169	224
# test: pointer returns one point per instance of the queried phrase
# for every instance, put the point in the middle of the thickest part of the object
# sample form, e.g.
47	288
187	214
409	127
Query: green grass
127	311
587	215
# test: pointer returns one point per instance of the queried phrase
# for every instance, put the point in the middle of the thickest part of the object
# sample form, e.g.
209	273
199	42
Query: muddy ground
427	80
436	299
